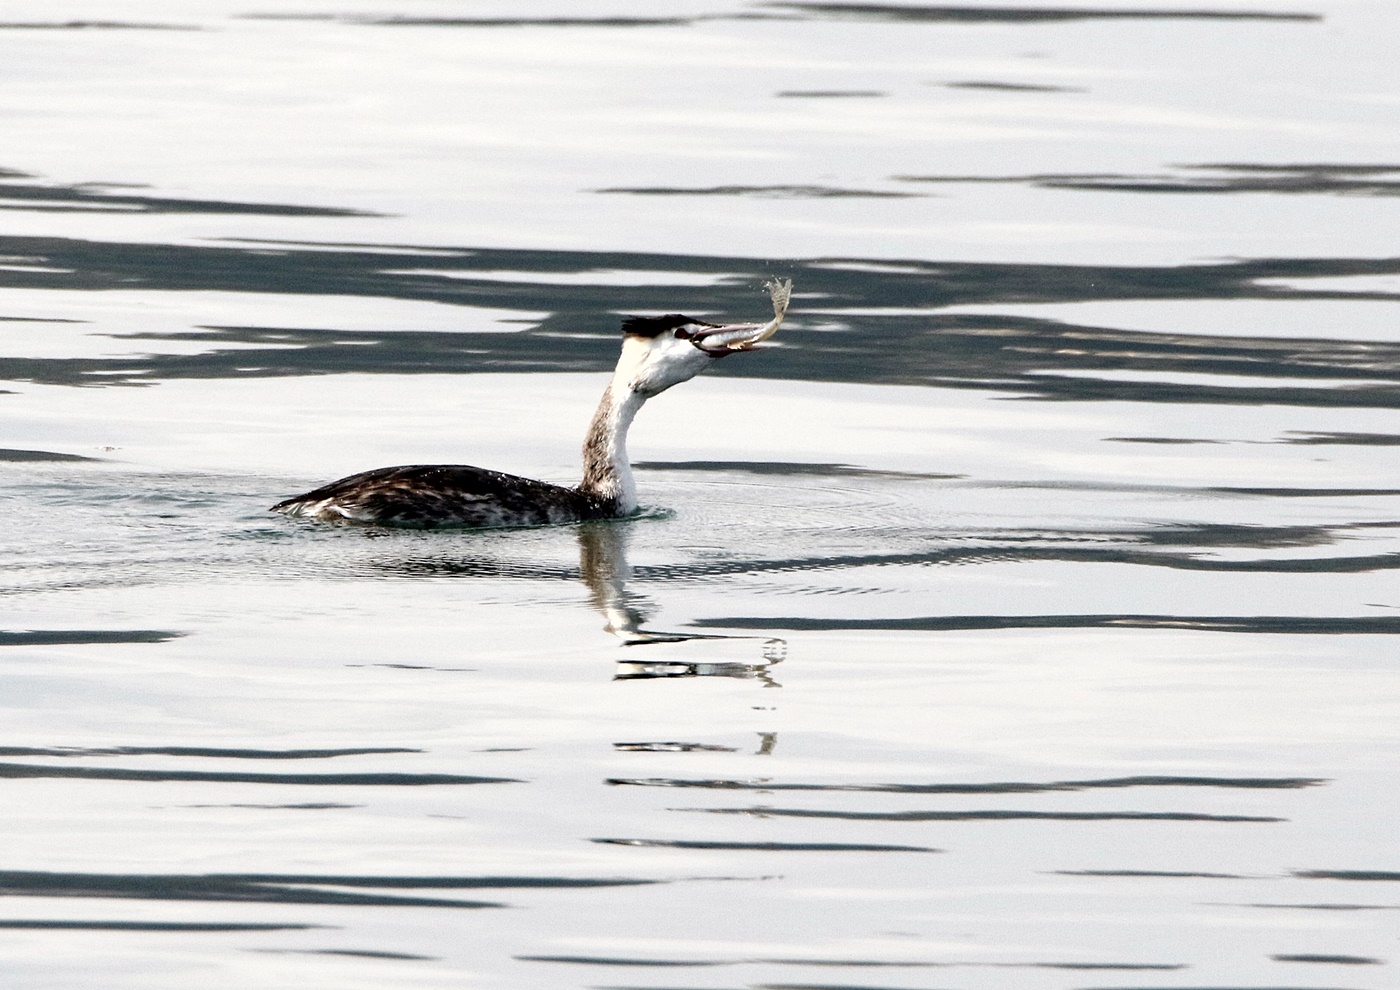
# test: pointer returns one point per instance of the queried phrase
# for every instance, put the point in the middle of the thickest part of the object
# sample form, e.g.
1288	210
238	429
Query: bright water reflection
1023	616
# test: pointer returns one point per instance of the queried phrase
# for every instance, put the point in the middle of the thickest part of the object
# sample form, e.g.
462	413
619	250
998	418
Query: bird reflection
605	569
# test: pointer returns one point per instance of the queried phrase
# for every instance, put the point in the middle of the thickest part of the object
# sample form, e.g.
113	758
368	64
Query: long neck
606	471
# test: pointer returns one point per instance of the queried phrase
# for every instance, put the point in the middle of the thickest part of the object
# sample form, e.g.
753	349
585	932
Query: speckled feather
428	496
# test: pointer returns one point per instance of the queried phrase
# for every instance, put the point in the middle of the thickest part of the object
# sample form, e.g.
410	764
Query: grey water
1024	615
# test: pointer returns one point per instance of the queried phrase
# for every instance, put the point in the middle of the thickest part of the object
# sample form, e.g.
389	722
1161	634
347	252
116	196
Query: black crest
655	326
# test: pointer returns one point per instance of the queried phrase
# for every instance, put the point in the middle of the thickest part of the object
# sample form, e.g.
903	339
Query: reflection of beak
719	341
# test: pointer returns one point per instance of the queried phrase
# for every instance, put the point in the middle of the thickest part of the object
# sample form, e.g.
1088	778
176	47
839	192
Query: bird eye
682	333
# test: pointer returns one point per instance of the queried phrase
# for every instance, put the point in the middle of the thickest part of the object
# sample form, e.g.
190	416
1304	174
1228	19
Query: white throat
648	366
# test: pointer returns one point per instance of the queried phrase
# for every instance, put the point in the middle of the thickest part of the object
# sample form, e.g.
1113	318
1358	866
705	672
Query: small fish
718	341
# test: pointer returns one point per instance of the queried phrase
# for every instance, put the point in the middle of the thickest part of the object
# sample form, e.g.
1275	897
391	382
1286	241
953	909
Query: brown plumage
425	496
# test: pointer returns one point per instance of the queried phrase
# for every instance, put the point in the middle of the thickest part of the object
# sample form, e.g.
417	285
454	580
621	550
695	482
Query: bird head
661	351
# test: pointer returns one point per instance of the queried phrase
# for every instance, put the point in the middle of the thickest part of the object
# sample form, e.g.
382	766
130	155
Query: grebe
657	352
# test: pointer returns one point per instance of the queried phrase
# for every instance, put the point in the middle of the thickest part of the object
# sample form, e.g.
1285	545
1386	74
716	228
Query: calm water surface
1024	617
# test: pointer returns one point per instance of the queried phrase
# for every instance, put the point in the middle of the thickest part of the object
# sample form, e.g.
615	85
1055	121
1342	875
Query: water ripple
1248	783
18	771
987	816
714	845
1314	625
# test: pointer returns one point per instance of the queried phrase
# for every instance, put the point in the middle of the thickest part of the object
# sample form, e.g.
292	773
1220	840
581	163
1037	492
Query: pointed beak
720	341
